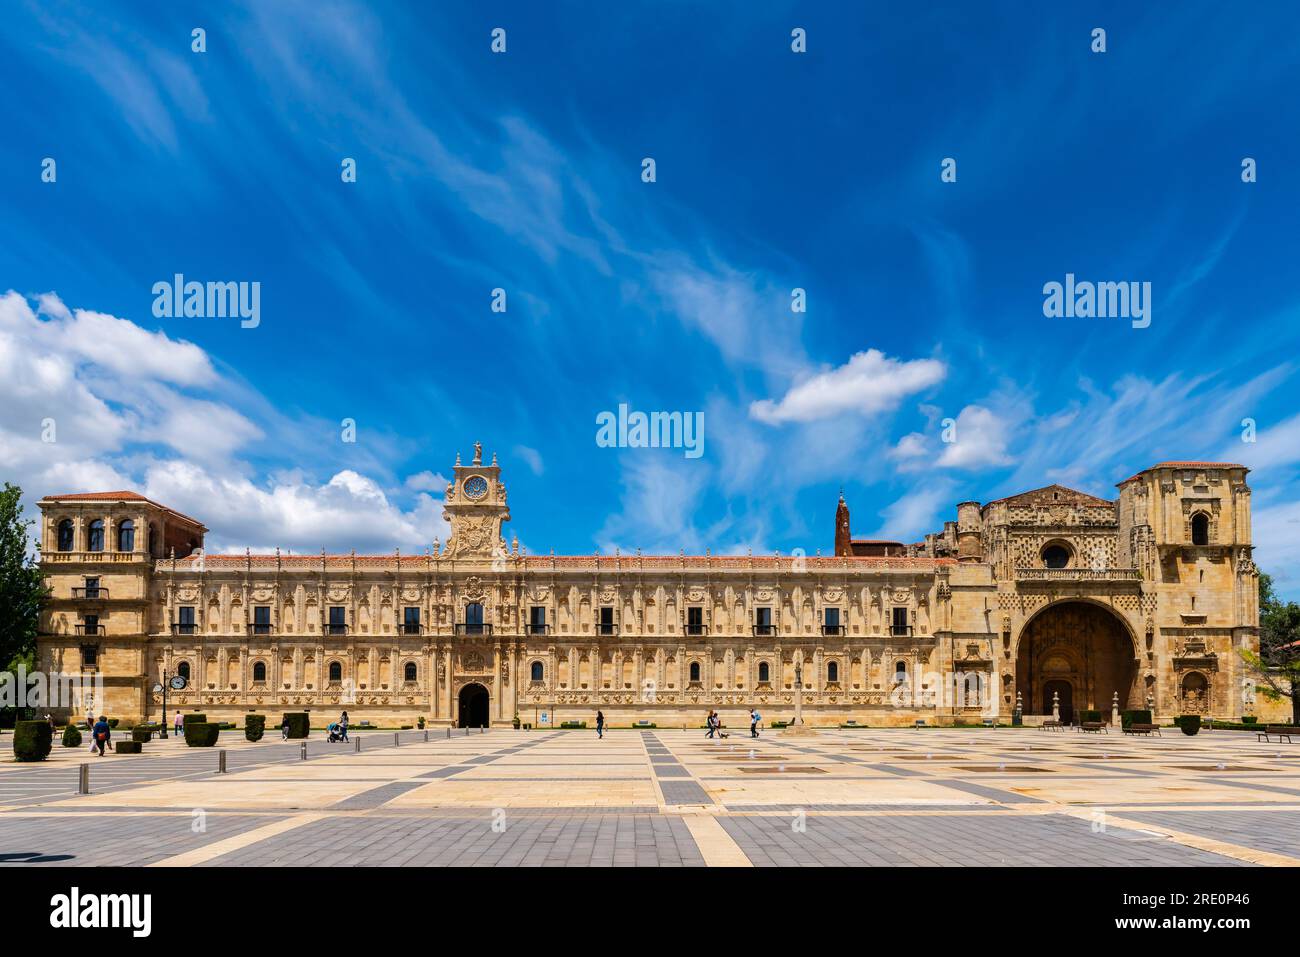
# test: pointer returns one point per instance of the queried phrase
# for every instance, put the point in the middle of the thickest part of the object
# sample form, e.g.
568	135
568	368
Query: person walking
754	719
343	726
284	730
179	723
600	724
90	730
711	721
101	734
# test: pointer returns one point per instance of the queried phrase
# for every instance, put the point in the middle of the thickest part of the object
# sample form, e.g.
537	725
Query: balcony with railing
1078	574
537	628
260	628
184	628
900	631
89	629
473	628
335	628
606	628
90	593
696	628
836	630
764	630
409	628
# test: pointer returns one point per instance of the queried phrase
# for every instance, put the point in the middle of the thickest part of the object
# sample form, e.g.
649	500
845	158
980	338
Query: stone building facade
1050	598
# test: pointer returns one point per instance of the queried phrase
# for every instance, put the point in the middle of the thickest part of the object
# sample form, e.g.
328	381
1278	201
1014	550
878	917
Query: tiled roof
1185	465
119	497
611	563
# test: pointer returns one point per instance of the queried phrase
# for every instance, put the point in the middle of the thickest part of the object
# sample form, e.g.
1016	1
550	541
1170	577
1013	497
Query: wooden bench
1094	727
1050	725
1277	731
1143	729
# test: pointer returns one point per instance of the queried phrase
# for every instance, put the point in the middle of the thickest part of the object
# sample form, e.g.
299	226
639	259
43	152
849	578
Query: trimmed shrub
1089	715
254	726
71	737
141	735
128	747
573	724
201	734
193	718
112	722
1134	717
299	723
32	740
1190	723
419	722
1249	719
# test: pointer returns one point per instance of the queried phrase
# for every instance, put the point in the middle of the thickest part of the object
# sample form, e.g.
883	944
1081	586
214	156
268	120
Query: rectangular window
185	620
90	656
607	620
338	621
411	621
262	619
900	626
831	625
762	621
695	620
537	620
92	587
90	624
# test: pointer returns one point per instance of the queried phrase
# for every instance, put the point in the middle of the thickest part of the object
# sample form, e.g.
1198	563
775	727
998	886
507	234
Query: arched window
411	671
763	671
536	671
65	535
183	669
95	537
833	671
126	536
1056	556
1200	529
259	671
900	672
695	671
336	671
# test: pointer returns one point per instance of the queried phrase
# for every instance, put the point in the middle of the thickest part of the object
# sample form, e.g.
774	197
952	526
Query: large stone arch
1085	644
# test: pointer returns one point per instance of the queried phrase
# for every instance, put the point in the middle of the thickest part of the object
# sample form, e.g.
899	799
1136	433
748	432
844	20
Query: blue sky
522	170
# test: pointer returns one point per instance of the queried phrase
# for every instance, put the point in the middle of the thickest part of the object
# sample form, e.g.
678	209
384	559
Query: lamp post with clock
173	682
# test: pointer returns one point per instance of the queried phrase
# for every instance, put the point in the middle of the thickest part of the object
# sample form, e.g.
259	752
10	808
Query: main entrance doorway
1080	651
473	709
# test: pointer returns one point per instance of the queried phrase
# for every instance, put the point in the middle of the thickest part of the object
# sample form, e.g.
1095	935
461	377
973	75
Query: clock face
476	487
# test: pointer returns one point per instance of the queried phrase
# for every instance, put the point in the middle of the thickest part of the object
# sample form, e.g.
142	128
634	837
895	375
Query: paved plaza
905	797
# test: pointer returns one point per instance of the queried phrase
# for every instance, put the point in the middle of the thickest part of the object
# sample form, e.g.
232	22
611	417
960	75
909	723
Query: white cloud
1274	445
918	512
426	481
1277	544
979	441
121	403
868	384
532	457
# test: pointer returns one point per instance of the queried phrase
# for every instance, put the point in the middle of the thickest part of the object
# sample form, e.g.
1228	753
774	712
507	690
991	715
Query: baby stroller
336	733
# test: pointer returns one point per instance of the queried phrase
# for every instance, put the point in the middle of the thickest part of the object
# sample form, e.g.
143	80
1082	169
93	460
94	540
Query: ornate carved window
65	535
1200	529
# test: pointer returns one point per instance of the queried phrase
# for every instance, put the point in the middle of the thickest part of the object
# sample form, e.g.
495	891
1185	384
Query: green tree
1277	666
22	590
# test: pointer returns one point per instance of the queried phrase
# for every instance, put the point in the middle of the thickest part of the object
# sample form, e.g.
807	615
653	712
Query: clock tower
476	508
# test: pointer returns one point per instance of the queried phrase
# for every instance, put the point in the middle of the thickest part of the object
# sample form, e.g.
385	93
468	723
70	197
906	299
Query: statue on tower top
478	453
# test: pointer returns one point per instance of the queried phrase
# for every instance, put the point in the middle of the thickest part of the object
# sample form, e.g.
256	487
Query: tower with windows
97	555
